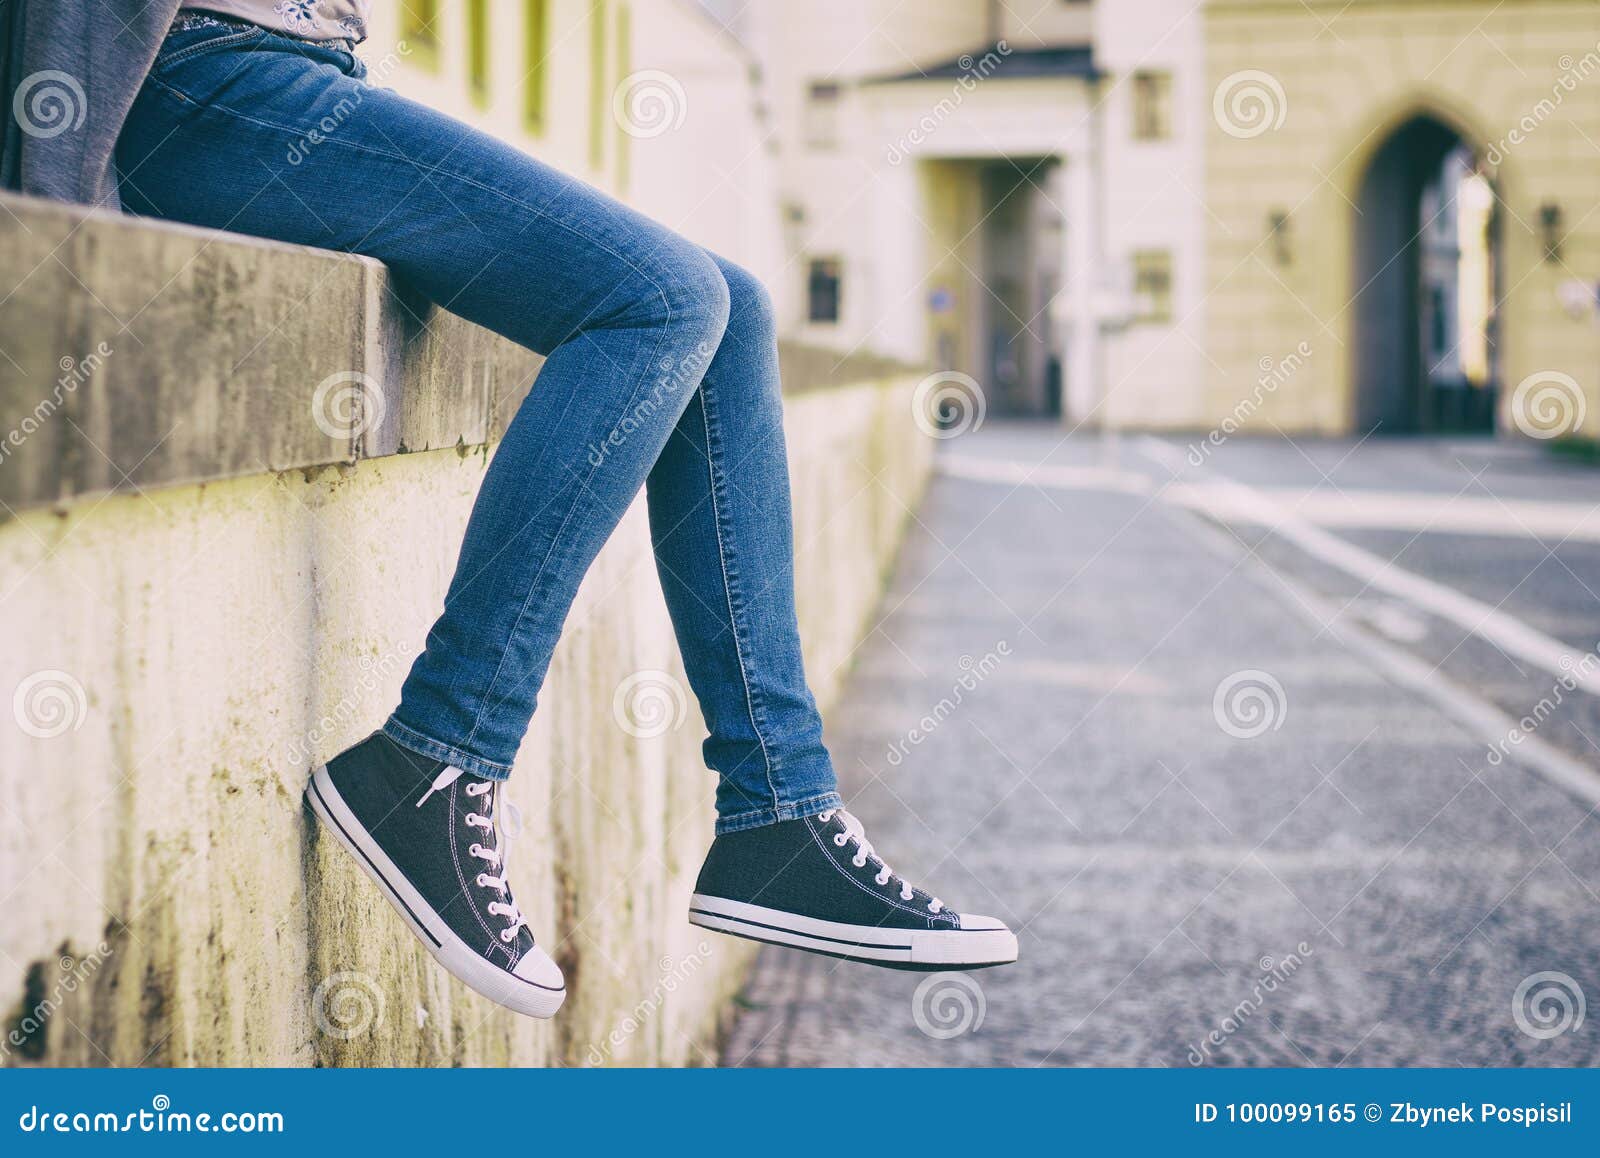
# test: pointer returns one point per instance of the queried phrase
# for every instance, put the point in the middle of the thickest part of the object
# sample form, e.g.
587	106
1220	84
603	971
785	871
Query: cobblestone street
1241	797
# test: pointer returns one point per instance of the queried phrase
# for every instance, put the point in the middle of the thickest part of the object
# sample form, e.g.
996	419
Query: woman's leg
789	865
629	317
627	314
719	514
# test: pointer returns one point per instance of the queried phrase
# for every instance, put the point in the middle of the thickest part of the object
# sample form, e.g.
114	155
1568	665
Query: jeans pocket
185	46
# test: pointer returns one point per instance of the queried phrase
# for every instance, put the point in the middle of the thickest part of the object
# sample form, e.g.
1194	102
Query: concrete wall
1347	75
179	653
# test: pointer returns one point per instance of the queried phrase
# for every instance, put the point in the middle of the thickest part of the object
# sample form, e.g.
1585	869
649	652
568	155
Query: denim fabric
661	371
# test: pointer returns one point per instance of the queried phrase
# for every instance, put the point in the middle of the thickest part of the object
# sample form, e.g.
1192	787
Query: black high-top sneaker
817	884
431	836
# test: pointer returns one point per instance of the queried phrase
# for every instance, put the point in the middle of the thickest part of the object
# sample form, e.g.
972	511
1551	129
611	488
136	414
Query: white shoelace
496	856
856	831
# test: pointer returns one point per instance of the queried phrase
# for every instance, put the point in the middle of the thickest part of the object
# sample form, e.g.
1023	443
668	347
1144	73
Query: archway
1426	271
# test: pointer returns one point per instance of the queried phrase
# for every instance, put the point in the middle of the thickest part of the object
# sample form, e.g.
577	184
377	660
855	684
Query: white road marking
1482	720
1405	511
1061	478
1230	501
1505	631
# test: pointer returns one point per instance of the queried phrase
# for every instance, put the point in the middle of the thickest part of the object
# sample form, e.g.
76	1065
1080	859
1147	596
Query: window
478	50
535	38
823	290
419	28
822	115
1152	106
1152	285
598	105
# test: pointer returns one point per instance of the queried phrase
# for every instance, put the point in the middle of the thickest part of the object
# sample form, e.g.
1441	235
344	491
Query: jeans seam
713	453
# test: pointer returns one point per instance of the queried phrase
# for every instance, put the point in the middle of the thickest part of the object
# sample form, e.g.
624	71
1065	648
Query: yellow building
1332	122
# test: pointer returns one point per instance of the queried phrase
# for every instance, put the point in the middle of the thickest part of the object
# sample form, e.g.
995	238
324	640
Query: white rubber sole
928	949
449	950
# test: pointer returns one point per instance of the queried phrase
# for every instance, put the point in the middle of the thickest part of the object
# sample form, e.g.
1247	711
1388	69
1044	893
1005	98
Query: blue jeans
661	371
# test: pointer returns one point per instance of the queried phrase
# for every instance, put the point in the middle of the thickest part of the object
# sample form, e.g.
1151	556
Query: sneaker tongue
851	825
507	816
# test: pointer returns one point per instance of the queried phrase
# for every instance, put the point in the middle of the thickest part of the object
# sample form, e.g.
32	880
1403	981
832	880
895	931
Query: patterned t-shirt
307	19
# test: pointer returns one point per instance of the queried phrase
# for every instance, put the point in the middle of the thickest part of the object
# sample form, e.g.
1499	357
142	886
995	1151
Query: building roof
1014	64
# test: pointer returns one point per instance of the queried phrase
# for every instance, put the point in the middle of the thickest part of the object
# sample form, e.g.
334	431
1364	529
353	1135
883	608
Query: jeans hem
762	817
427	746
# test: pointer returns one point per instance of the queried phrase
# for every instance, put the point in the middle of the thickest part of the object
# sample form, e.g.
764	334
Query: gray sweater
69	70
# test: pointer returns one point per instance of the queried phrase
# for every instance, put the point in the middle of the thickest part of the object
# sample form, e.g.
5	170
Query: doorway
1426	277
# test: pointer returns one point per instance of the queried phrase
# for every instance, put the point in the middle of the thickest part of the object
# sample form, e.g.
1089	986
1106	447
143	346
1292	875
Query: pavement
1230	735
